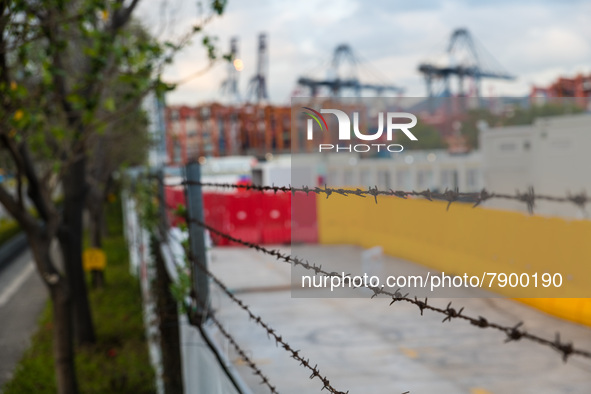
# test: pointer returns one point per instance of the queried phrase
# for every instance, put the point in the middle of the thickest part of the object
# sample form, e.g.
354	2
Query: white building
436	170
412	170
552	155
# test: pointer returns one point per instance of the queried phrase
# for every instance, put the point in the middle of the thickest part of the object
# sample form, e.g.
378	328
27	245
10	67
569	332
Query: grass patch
119	362
8	229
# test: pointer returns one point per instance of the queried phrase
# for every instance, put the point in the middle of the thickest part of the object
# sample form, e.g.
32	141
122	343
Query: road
22	299
367	346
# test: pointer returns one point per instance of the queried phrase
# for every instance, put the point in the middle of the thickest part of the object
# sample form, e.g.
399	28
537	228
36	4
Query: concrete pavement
367	346
22	299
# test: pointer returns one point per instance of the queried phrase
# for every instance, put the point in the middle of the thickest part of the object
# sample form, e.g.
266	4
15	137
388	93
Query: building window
472	179
333	178
507	147
365	178
177	152
384	179
561	144
425	179
449	179
348	178
403	181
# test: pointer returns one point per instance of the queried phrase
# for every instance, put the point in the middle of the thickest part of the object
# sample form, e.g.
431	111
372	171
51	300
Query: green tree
523	116
474	121
124	143
428	138
59	63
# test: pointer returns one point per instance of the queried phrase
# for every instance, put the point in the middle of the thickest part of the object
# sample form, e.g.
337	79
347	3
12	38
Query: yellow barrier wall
468	240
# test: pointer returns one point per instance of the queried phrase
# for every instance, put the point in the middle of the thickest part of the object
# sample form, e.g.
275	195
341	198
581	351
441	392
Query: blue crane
465	59
338	81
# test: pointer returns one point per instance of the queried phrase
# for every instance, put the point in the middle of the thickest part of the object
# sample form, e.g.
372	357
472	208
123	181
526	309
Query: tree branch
4	76
59	79
36	191
21	215
121	17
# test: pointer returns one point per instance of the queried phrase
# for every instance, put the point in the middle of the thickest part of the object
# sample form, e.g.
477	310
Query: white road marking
16	284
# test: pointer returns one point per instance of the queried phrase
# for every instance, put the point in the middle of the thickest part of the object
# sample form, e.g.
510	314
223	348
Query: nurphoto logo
392	124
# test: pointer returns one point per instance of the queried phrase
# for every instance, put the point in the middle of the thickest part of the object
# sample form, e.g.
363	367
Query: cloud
555	45
535	40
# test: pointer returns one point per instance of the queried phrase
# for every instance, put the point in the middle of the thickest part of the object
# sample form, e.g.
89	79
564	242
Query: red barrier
253	216
215	214
304	227
276	218
243	214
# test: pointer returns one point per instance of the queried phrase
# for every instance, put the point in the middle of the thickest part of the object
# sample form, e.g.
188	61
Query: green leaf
58	132
218	6
109	104
181	210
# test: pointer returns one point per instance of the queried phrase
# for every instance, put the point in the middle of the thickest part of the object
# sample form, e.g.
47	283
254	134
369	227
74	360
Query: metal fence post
162	218
194	198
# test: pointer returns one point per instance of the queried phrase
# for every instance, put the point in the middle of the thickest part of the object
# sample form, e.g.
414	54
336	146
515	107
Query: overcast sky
535	40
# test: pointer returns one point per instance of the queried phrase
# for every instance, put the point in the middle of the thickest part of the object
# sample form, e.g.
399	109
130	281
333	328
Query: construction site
484	203
250	124
340	196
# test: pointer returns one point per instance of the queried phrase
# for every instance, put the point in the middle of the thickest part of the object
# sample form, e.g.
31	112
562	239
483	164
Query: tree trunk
96	224
70	239
63	351
95	203
63	343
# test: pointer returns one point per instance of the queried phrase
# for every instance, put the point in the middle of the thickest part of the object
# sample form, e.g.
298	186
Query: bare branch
196	74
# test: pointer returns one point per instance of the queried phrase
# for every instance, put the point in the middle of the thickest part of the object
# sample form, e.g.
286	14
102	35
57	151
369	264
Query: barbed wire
295	354
196	321
529	197
513	333
251	364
